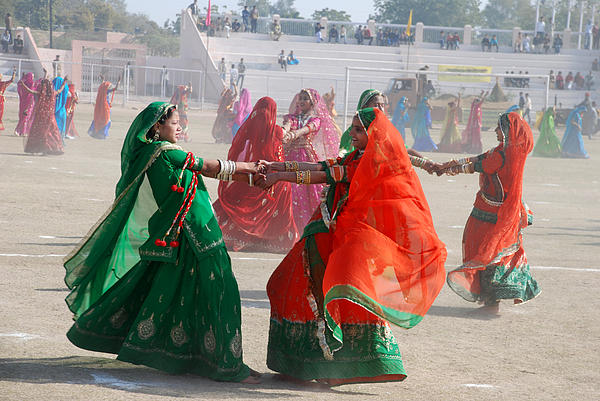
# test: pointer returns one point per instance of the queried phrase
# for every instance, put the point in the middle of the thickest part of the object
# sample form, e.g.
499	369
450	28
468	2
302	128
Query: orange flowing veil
386	254
102	108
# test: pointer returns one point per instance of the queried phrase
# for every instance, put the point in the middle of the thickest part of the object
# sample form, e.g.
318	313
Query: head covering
136	140
326	141
26	103
243	107
366	97
386	254
366	117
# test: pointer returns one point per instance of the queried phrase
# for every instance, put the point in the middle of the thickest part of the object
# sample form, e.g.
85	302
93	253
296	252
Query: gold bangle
295	166
288	166
306	177
298	177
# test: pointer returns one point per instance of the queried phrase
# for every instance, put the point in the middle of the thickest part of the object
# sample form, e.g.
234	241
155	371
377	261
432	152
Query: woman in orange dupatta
370	255
251	219
495	266
104	98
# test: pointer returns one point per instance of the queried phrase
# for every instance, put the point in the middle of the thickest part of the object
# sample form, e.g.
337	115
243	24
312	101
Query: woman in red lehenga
180	99
471	136
370	255
494	263
44	136
251	219
3	86
221	129
72	100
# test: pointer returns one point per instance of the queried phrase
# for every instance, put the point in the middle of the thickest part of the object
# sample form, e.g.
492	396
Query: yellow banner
409	23
464	69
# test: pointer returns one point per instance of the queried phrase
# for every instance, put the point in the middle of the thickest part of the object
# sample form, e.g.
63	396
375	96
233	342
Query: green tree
506	14
263	6
331	15
285	9
440	12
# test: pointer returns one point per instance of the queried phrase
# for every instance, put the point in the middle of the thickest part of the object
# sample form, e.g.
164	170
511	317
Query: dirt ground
546	349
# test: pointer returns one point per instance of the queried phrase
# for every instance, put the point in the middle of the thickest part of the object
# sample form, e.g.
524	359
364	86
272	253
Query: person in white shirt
233	77
528	108
222	69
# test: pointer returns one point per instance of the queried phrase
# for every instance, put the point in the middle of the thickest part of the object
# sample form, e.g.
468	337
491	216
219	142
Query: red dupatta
102	107
263	215
386	254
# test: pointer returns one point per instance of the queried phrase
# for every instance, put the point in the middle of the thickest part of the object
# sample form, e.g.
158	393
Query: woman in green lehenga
548	144
152	281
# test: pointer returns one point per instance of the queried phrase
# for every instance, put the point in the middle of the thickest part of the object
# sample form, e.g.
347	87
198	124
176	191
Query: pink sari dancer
26	104
310	135
242	109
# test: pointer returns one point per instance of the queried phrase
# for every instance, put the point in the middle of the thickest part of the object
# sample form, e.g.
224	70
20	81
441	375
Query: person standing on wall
241	74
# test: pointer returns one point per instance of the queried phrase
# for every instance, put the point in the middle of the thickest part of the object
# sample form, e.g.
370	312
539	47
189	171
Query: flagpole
205	72
408	54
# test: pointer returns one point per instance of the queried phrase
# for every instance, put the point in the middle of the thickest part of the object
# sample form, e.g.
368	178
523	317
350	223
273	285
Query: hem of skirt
356	371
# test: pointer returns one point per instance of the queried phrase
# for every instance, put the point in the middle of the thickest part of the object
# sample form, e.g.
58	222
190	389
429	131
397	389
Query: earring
156	136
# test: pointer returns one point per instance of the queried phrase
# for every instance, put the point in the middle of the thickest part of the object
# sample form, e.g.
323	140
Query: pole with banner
408	36
207	23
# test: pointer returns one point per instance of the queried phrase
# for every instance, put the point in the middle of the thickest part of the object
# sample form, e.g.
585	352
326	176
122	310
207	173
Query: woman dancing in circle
369	256
152	281
310	135
253	220
104	100
494	265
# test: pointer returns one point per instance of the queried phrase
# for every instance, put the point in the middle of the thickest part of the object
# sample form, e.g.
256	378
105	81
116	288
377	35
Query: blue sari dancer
572	142
60	112
420	128
401	117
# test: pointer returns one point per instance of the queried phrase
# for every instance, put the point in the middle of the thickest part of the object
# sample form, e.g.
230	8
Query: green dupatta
548	144
365	97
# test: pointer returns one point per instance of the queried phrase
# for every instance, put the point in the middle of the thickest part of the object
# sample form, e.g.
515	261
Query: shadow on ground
117	375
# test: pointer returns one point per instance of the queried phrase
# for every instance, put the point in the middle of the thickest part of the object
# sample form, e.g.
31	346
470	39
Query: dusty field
544	350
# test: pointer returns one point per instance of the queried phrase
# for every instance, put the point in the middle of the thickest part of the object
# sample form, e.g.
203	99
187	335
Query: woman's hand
432	167
270	167
267	181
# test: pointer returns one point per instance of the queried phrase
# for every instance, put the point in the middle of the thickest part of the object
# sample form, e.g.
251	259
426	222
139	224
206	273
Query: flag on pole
208	14
409	23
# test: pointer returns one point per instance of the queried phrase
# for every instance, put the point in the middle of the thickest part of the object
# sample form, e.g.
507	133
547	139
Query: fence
138	83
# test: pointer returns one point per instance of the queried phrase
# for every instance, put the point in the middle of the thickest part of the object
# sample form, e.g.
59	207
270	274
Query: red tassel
174	187
180	190
174	244
158	242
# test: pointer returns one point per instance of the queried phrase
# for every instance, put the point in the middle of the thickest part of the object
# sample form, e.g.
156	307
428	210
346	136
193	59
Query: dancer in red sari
72	100
3	86
180	99
104	98
44	136
471	136
495	266
251	219
370	255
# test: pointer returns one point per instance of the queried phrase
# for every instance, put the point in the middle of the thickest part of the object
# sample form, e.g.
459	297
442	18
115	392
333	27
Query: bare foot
254	373
251	380
491	307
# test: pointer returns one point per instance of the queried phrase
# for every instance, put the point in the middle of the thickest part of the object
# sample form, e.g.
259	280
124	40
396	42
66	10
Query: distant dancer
72	100
451	141
221	129
548	144
241	109
180	99
60	111
471	136
400	119
420	128
572	142
3	86
104	100
26	104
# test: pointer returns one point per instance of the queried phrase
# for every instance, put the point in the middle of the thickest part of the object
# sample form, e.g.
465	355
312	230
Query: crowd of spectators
237	74
571	82
8	39
449	41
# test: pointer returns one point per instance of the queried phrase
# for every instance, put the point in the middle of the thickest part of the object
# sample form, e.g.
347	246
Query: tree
285	9
440	12
331	15
263	6
506	14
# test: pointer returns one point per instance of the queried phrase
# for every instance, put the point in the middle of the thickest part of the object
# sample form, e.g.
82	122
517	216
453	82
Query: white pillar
581	6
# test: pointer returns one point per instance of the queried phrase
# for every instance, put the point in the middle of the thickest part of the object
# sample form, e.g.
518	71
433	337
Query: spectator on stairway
560	81
235	25
518	43
5	40
367	35
333	35
241	74
526	44
18	45
246	18
291	58
494	43
282	60
275	30
223	69
253	19
557	43
595	65
485	44
343	34
233	78
442	40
